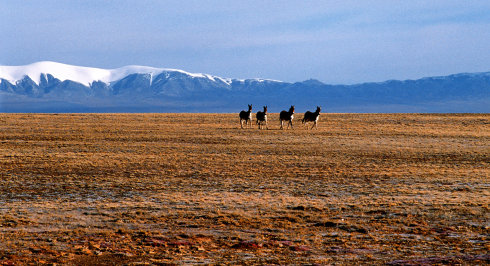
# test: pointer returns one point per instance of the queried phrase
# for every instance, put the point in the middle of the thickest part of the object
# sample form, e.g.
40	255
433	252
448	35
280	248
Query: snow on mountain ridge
87	75
84	75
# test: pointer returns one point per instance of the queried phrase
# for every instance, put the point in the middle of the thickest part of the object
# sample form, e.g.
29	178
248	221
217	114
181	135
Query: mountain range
51	87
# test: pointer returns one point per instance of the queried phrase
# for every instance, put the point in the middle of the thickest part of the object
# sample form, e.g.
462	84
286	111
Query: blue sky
332	41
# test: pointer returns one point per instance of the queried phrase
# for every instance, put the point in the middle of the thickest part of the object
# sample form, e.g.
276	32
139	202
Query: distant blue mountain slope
162	90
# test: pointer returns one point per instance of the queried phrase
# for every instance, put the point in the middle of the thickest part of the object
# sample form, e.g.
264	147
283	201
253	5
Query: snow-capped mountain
49	79
86	75
56	87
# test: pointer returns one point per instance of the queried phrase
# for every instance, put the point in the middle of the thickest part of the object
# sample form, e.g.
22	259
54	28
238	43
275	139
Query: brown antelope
287	116
312	117
246	116
261	118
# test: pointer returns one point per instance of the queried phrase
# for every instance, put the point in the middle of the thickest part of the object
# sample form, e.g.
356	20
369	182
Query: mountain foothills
53	87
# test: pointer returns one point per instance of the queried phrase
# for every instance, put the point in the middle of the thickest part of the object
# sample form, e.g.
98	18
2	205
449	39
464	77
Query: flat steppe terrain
88	189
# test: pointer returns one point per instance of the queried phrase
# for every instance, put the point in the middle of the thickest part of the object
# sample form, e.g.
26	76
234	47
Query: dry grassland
88	189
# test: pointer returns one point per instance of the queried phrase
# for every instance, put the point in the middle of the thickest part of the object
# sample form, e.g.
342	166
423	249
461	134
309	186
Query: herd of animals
284	116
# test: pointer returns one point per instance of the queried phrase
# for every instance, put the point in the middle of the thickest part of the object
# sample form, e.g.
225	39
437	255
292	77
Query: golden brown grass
195	188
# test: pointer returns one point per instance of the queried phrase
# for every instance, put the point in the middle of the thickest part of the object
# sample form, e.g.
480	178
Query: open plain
87	189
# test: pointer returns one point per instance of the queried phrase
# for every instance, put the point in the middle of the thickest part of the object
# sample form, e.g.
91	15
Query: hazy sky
332	41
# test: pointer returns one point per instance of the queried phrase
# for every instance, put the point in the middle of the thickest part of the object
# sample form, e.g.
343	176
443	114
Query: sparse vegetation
91	189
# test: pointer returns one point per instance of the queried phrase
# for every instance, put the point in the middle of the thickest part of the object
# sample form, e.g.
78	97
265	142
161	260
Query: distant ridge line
55	87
